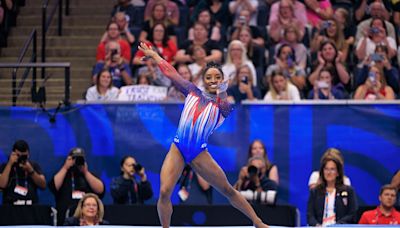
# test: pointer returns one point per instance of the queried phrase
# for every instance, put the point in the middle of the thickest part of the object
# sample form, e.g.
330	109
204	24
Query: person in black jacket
331	202
126	189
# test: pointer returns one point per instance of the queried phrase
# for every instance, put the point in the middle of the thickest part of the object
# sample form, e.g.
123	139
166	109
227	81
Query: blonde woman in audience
255	52
89	212
281	88
374	87
104	89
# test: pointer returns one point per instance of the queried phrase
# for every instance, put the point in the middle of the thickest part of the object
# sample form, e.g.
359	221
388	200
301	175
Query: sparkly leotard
201	115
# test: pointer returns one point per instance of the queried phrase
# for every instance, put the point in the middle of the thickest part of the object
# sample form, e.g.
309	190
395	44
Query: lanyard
136	191
73	181
17	179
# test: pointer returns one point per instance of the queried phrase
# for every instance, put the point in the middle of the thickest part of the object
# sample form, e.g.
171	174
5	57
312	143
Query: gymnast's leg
206	167
170	172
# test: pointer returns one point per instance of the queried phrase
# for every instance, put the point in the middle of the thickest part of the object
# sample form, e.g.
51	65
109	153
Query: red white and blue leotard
201	115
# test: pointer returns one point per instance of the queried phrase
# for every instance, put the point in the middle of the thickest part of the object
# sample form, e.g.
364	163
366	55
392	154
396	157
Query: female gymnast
203	112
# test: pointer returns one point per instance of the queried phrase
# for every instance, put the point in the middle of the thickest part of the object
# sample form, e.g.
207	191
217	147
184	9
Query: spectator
385	213
219	12
126	7
331	201
165	46
329	56
243	22
72	182
286	62
132	186
396	183
291	37
89	212
374	87
379	59
236	57
123	27
281	88
113	35
143	79
286	16
317	11
374	35
199	55
20	177
193	189
236	6
199	38
342	16
367	8
114	63
323	88
171	10
204	17
254	51
153	74
159	15
298	8
104	89
315	178
173	93
243	89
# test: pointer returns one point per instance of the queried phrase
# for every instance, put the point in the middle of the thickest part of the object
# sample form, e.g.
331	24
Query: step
87	3
19	41
74	10
96	31
75	61
55	51
86	20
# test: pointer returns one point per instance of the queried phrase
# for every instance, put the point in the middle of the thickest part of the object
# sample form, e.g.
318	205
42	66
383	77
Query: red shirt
125	50
168	52
376	217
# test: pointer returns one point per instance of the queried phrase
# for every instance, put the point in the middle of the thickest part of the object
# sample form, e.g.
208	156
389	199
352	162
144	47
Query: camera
242	20
374	30
245	79
78	155
376	57
114	52
372	77
322	85
326	24
252	170
264	197
137	167
22	159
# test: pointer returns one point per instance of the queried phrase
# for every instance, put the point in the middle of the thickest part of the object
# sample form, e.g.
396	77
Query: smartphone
245	79
374	30
372	77
322	85
376	57
326	24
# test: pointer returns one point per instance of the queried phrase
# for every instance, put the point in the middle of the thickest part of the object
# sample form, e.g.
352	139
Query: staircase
81	34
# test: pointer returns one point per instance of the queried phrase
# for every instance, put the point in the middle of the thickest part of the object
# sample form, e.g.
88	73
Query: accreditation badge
77	194
21	190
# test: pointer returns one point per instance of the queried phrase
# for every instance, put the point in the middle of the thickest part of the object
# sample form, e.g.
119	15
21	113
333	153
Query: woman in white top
103	90
281	88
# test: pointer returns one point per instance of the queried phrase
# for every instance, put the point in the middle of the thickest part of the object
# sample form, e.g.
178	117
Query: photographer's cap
77	151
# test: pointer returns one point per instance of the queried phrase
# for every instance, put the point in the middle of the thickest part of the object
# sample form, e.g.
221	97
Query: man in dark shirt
72	181
20	177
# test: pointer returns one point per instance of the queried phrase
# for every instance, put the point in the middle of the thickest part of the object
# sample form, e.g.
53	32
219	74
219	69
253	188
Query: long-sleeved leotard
201	115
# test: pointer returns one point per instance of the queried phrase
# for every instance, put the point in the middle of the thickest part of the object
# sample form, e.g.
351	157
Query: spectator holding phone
281	88
374	87
243	88
20	177
323	88
132	186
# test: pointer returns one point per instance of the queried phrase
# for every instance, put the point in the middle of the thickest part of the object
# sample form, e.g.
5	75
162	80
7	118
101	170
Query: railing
17	65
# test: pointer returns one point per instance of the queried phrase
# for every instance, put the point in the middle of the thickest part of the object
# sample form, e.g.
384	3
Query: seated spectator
235	6
374	87
114	63
255	52
385	213
126	7
331	201
143	79
329	56
20	177
333	31
72	182
132	186
123	26
104	89
323	88
317	11
374	35
89	212
242	23
377	10
379	59
171	10
291	37
235	58
173	93
286	62
199	55
153	73
253	181
396	183
199	38
193	189
204	17
165	46
364	9
299	10
158	16
342	16
315	179
113	35
286	16
219	11
243	89
281	88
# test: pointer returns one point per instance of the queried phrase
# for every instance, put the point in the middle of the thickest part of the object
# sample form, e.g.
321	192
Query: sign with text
143	93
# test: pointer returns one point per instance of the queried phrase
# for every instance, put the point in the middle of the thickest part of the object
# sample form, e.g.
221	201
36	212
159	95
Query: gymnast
203	112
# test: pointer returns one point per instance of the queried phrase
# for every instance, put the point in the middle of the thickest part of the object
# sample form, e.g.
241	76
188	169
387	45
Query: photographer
254	185
72	182
20	177
126	189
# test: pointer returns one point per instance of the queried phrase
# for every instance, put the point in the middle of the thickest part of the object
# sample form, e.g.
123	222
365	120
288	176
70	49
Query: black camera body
138	167
252	170
78	155
22	159
79	160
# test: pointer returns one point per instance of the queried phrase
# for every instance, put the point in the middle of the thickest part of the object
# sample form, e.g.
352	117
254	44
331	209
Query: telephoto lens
252	170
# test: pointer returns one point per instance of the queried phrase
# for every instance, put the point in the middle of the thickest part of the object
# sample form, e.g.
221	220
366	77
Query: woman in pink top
317	11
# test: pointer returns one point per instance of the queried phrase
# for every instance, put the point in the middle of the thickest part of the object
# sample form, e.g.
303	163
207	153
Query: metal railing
33	65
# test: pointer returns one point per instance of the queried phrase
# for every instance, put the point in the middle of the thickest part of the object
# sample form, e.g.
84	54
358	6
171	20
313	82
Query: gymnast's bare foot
261	225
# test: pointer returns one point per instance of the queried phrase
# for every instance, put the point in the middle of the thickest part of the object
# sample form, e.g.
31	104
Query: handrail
16	91
65	65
